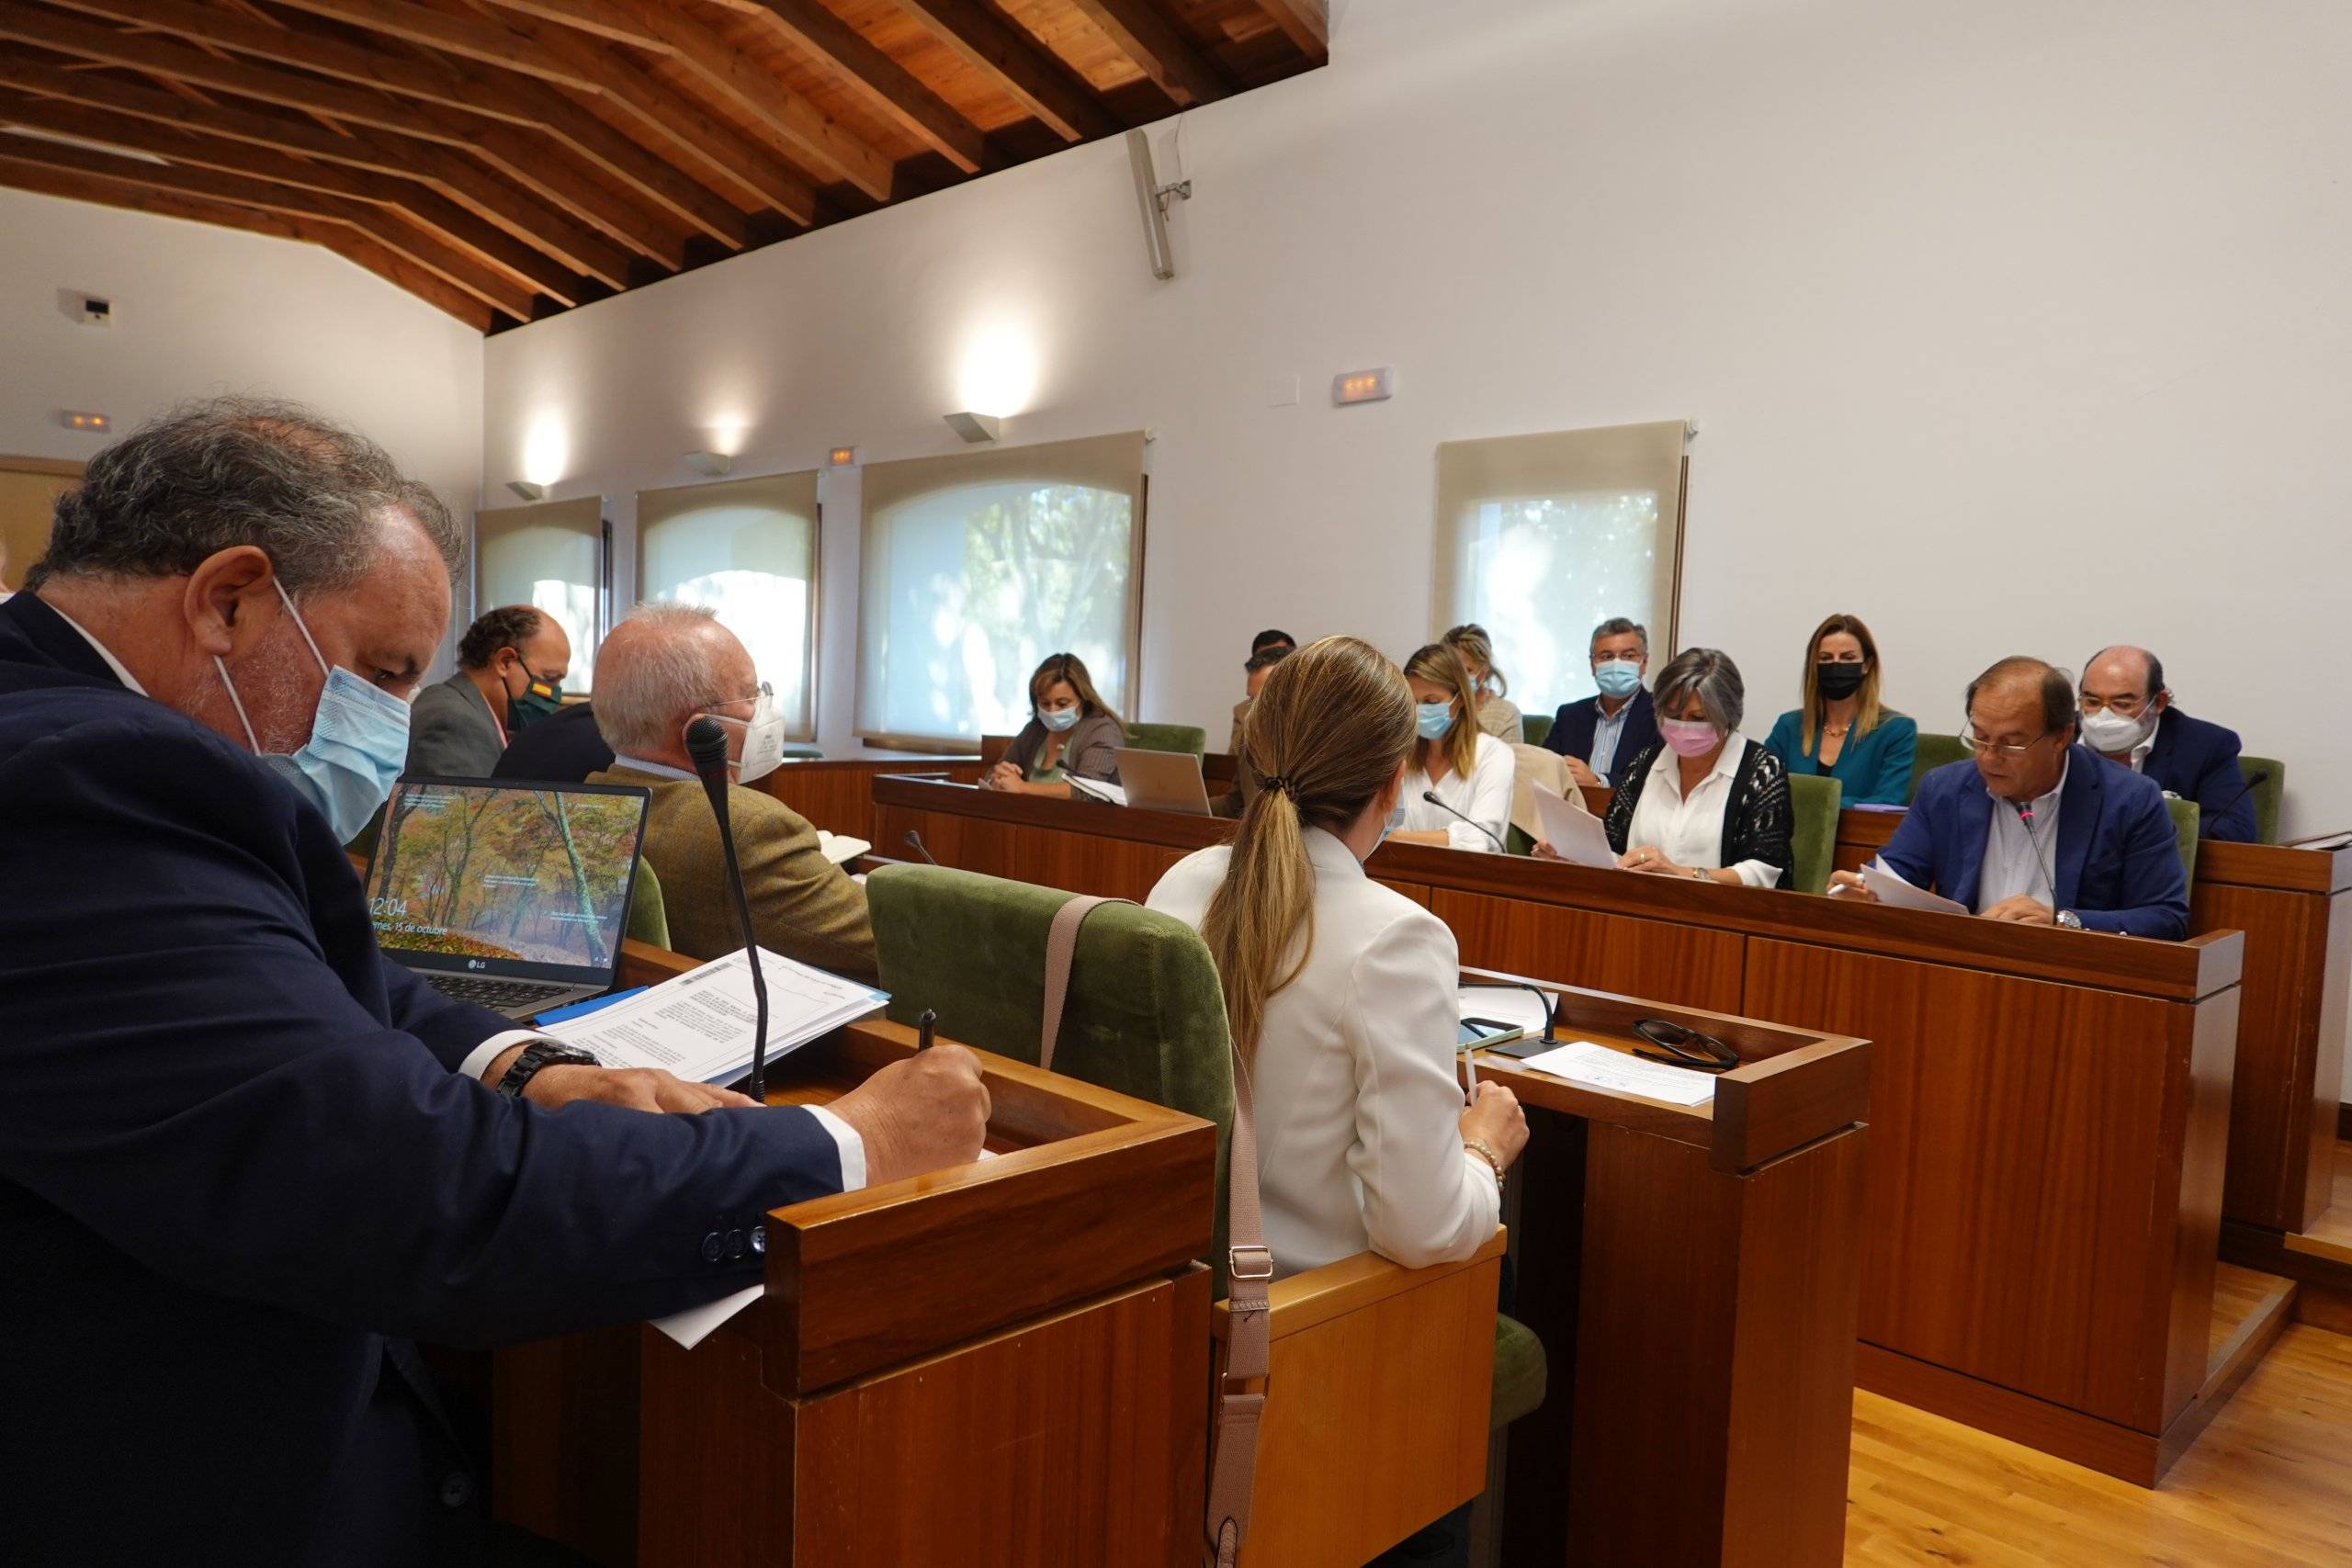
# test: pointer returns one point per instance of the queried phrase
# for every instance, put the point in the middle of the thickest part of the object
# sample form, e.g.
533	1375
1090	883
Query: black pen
924	1023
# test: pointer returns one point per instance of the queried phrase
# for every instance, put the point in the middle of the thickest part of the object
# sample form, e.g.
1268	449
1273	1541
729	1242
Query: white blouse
1359	1109
1483	794
1691	832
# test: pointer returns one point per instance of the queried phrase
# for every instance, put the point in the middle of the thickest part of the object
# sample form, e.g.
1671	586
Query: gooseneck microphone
1430	796
914	841
706	744
2041	864
2261	777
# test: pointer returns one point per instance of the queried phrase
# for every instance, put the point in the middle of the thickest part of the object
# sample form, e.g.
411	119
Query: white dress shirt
1482	795
1691	832
478	1060
2021	858
1608	728
1359	1109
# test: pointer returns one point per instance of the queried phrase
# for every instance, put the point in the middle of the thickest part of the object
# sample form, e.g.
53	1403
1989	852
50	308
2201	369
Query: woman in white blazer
1467	769
1340	993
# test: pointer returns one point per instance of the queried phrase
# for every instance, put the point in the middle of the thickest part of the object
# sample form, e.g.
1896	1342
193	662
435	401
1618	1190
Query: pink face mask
1689	736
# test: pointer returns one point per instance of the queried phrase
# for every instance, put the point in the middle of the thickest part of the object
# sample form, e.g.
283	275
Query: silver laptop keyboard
502	996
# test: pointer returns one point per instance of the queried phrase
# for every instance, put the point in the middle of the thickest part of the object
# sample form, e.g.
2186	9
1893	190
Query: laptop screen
499	879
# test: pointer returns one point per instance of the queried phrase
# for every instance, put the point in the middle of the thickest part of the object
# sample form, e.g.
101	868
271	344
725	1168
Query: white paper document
1597	1066
1891	890
699	1025
1505	1004
839	848
1574	836
1101	789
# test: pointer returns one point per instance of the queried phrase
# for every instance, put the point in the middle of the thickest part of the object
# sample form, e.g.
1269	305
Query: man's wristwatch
2071	920
541	1054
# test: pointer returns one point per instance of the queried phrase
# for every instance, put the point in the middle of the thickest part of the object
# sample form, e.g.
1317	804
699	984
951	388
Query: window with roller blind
1540	538
746	550
555	556
977	566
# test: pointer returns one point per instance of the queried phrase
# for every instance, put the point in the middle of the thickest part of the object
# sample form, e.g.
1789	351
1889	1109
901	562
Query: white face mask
763	736
2111	732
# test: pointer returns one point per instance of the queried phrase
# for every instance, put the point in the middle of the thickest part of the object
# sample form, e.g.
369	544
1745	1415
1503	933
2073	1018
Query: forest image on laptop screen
534	876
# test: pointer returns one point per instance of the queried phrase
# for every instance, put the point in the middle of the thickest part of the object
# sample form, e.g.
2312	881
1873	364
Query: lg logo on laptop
475	963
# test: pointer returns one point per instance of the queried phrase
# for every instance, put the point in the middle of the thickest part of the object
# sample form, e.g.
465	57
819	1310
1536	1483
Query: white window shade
1540	538
746	550
550	556
976	567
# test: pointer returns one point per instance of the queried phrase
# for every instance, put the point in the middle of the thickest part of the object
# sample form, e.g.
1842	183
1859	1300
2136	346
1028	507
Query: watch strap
537	1055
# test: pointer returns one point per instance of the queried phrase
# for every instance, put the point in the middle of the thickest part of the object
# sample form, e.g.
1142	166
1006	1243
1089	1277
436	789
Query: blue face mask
1059	719
1617	677
358	743
1434	719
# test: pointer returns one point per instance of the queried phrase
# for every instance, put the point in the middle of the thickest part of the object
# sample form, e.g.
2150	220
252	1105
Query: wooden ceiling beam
336	191
495	94
1146	34
1007	56
564	57
1306	23
559	234
887	86
285	133
808	135
299	208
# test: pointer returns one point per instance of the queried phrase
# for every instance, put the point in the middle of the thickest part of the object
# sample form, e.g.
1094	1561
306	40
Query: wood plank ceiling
507	159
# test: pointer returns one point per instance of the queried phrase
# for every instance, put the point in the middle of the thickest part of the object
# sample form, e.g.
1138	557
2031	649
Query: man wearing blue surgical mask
1618	723
239	1152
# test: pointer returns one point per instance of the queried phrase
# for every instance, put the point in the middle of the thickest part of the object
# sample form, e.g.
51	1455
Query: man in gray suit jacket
511	665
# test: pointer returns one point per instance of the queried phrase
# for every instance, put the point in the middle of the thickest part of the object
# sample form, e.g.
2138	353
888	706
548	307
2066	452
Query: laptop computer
513	896
1163	781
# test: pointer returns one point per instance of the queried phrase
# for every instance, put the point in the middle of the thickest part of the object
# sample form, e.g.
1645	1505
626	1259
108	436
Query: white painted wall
199	310
2011	326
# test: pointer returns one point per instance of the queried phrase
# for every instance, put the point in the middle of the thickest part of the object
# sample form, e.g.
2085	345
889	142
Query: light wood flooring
2269	1484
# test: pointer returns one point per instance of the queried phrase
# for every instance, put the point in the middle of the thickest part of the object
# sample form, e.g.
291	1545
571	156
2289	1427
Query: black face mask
1836	681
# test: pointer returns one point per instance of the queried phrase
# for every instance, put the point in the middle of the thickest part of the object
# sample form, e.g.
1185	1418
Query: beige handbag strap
1250	1268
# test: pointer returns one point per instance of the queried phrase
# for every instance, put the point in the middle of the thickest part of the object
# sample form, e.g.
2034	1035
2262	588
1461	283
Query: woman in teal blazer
1867	748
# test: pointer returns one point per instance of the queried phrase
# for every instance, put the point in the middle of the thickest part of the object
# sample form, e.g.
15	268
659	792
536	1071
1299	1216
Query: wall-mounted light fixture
710	464
527	490
976	427
76	419
842	457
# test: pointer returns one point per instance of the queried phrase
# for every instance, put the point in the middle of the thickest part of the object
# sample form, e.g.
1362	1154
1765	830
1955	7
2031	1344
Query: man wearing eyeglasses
2129	718
2038	830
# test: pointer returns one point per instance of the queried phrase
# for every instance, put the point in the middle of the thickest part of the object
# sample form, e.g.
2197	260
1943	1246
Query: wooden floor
2268	1484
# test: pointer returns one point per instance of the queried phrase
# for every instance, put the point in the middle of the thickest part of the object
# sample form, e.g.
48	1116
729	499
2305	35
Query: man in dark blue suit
2038	830
2130	718
242	1153
1603	732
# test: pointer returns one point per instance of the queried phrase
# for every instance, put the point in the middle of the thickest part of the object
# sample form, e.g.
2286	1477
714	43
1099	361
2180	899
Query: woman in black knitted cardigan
1738	834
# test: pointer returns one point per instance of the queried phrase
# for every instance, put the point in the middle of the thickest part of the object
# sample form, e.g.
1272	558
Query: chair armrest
1318	1295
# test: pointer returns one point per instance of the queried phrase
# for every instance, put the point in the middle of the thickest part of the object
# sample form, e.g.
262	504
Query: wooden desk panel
837	793
1636	958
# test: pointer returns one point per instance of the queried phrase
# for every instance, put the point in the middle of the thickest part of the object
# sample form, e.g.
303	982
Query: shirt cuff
479	1059
845	1138
1463	836
1759	873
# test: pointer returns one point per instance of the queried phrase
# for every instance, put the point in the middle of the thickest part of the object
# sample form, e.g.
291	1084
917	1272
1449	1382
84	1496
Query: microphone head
706	744
1430	796
910	839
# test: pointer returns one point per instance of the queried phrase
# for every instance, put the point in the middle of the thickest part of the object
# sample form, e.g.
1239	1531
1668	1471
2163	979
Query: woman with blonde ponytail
1340	992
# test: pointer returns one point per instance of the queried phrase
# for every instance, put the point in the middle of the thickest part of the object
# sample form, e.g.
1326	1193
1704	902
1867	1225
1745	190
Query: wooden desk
2292	903
837	793
2049	1109
1002	1364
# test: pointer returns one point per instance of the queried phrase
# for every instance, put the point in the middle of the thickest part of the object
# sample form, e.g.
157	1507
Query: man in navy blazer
2130	718
243	1155
1600	734
2038	830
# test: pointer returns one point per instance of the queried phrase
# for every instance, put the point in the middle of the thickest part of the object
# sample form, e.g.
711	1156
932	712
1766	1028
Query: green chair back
801	751
1813	806
1516	841
2266	795
1535	726
2184	813
1932	752
649	915
1189	738
1145	1016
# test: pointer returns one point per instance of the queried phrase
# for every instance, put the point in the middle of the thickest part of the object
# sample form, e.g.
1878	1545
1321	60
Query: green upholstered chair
2266	795
1535	726
649	916
2184	815
1933	751
1813	839
1521	1371
801	751
1189	738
